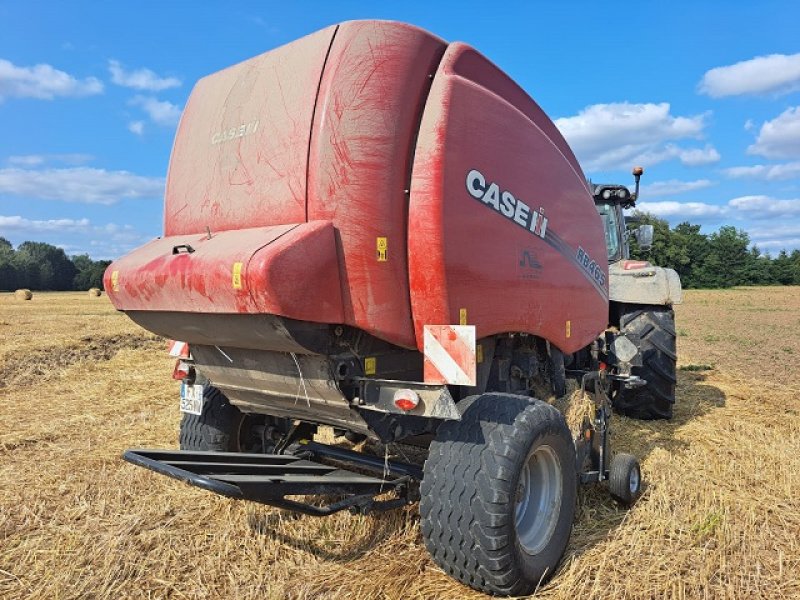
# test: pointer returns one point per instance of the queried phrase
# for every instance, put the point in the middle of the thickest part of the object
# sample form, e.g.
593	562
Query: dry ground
79	383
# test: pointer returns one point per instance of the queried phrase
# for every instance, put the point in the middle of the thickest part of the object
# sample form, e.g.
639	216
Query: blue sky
705	95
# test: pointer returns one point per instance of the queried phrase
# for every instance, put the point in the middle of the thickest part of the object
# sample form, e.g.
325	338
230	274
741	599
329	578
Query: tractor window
611	227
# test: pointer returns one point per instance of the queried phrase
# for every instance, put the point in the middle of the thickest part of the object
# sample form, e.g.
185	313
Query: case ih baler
373	229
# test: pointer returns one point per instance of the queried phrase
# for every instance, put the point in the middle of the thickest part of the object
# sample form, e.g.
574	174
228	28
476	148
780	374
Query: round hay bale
23	294
95	292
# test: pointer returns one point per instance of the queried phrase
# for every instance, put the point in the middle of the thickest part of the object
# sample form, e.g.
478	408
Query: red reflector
630	265
406	399
181	370
603	366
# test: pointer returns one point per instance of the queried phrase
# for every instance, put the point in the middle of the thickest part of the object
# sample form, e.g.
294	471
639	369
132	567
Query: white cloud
775	237
694	157
136	127
160	112
20	224
35	160
779	138
43	82
79	184
775	172
778	73
744	207
607	136
766	207
76	236
670	208
140	79
776	245
673	186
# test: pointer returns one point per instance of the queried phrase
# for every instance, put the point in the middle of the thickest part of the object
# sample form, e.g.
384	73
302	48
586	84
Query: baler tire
471	506
655	327
625	479
217	428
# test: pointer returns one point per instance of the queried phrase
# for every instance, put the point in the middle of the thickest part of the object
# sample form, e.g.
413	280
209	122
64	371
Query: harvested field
720	517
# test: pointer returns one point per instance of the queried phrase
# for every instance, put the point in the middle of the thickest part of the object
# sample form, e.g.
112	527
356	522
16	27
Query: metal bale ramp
272	478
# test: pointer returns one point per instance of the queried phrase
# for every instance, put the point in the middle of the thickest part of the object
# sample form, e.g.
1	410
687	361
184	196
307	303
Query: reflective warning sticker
236	280
383	246
569	328
450	354
479	353
115	281
370	365
178	349
462	316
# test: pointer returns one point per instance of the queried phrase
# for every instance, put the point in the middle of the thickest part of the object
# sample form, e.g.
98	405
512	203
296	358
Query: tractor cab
611	200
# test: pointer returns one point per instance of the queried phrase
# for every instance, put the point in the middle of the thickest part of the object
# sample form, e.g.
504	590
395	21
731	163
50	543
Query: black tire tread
619	478
216	428
655	326
471	469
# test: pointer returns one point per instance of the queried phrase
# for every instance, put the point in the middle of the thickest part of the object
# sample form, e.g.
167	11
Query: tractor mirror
644	236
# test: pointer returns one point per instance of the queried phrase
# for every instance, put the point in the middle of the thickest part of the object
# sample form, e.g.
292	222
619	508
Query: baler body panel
240	157
242	271
362	147
478	254
332	172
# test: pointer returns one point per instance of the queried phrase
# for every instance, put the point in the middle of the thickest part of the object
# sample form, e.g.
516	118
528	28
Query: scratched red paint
462	254
302	197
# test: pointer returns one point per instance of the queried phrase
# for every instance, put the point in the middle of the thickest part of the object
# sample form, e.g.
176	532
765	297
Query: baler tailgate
270	478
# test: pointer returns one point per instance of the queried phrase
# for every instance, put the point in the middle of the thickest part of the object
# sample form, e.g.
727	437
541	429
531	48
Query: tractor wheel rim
538	501
634	481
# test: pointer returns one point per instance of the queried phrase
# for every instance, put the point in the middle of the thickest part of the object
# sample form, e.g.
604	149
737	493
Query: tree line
41	266
721	259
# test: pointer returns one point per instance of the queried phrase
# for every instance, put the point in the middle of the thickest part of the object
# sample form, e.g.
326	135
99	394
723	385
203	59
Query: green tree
692	247
90	272
727	258
54	271
9	278
784	269
758	269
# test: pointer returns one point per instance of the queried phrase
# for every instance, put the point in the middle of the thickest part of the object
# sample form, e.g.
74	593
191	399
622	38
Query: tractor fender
638	282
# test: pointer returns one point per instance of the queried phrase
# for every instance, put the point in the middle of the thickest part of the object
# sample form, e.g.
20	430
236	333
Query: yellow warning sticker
115	280
370	364
462	316
383	245
479	353
569	328
236	279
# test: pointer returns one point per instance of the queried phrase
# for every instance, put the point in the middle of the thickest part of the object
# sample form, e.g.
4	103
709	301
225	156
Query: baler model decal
517	211
564	249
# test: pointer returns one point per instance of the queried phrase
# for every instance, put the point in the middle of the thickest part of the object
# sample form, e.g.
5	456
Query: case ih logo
234	132
506	204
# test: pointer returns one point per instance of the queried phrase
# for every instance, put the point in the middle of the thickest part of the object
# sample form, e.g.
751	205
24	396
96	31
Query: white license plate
192	399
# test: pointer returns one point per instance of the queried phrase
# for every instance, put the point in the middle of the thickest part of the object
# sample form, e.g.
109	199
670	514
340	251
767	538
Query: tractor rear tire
218	428
498	493
655	327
